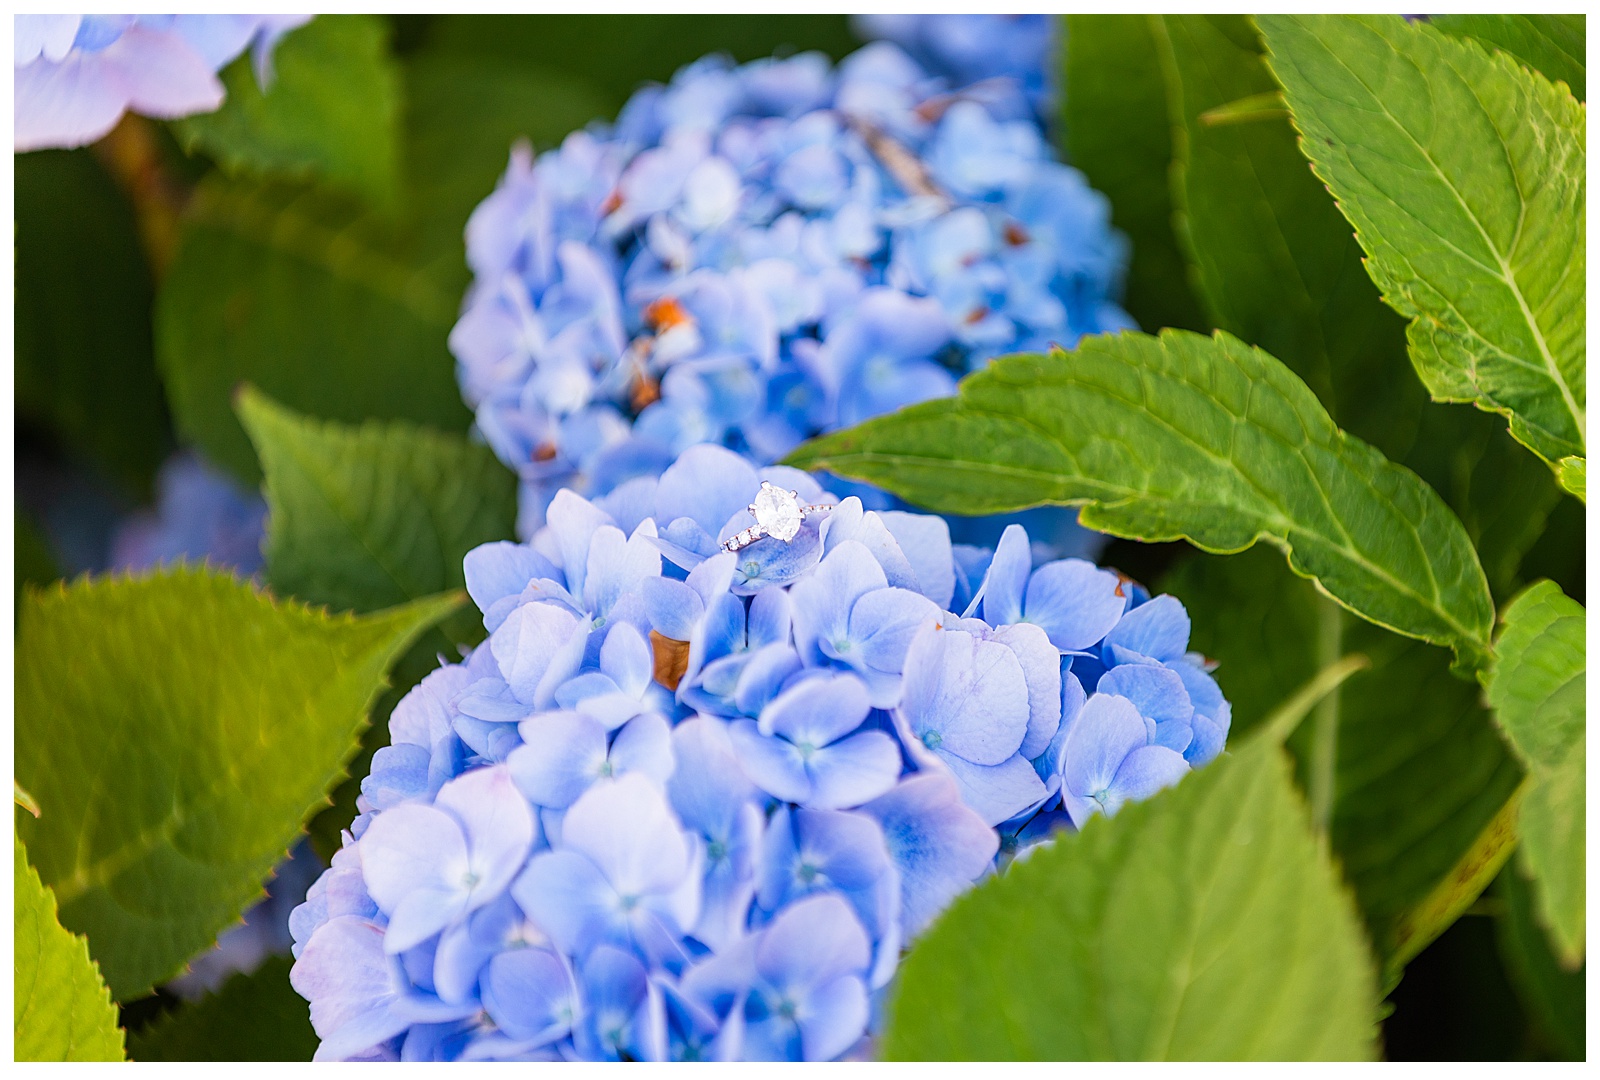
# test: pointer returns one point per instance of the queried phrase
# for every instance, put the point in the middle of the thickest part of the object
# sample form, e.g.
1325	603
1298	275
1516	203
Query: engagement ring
778	514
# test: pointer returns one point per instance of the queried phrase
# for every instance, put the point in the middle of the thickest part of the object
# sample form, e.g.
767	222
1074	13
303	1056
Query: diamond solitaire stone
778	512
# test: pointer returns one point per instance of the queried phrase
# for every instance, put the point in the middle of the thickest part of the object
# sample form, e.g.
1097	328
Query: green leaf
1464	177
339	312
1573	473
365	517
1414	785
362	518
85	371
1274	262
1203	924
331	112
1552	45
180	728
1503	495
1116	131
1423	792
616	53
61	1009
320	307
1185	437
1535	688
1553	997
255	1017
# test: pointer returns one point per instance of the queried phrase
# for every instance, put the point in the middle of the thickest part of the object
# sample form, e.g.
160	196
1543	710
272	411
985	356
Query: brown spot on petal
1015	234
645	391
545	451
662	315
977	315
613	202
671	659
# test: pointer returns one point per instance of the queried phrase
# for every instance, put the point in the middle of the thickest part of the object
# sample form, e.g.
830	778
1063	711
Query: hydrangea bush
690	803
753	254
642	603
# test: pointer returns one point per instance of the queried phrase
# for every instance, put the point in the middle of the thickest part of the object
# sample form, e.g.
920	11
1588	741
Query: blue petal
822	601
572	521
498	824
816	711
763	675
832	1018
529	994
497	573
883	624
708	788
466	947
1075	601
848	521
350	983
644	745
996	793
708	484
846	849
562	754
627	829
399	773
568	897
925	540
1143	773
1157	692
811	943
773	765
1210	735
1003	583
413	847
769	619
853	770
421	914
1106	732
772	562
964	696
939	845
1158	630
1041	667
618	565
539	647
675	610
492	701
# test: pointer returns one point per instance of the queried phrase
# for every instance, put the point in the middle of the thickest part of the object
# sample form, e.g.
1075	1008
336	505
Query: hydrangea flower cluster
200	514
972	48
77	74
755	254
688	802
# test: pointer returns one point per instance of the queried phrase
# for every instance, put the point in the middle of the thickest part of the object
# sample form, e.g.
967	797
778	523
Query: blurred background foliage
162	268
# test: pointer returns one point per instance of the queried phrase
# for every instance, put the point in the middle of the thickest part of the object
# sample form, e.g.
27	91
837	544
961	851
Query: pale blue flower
77	74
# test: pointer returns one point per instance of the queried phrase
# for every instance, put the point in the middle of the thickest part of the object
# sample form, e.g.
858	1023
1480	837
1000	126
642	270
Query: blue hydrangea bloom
751	255
77	74
974	48
691	803
200	515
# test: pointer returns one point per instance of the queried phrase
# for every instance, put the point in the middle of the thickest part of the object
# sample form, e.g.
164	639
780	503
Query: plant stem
1325	719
